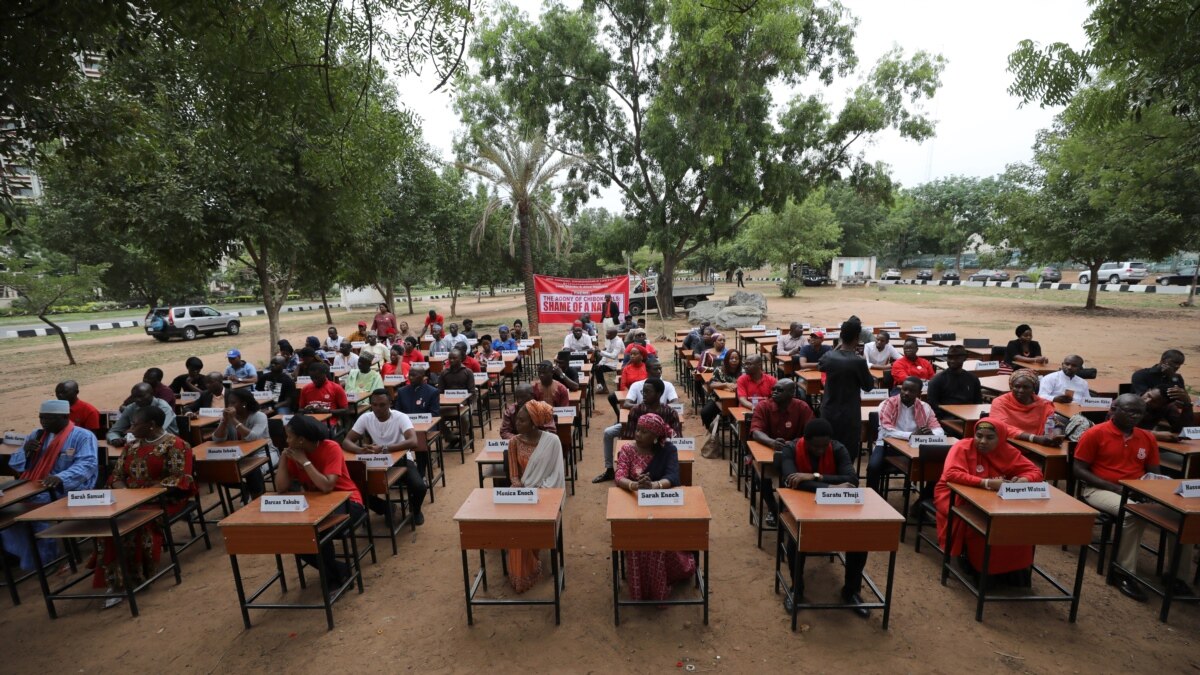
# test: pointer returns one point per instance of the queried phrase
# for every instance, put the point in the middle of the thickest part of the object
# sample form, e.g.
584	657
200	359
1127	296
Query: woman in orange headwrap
1026	416
535	459
987	461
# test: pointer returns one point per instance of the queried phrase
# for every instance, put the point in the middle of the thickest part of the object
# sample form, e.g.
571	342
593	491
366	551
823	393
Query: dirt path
412	617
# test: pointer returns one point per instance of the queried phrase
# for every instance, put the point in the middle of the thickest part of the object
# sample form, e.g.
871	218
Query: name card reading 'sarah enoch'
660	497
514	495
283	503
1025	491
91	498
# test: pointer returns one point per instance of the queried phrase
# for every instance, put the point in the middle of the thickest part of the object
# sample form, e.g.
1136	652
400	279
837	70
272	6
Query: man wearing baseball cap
814	350
359	335
239	370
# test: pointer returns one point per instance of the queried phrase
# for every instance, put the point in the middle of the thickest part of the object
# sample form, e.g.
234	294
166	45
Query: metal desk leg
616	585
1083	550
126	577
467	586
241	591
887	600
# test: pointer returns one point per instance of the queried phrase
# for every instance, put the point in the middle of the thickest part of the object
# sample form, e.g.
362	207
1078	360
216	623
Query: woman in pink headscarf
651	463
535	459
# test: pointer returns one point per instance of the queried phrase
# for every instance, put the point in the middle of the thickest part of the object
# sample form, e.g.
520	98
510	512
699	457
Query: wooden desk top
396	456
740	412
200	452
1042	451
1072	409
201	422
1181	447
901	445
990	503
21	492
1163	492
623	506
317	417
968	412
803	505
426	427
687	456
320	505
489	457
760	453
126	500
996	383
480	507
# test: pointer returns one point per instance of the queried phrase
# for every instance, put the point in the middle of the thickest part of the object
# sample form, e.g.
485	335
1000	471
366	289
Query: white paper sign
264	396
420	418
376	460
771	333
1189	433
510	351
481	378
496	445
564	411
358	344
677	407
891	324
212	412
917	440
224	452
1025	490
941	351
394	380
919	329
1188	489
188	396
987	365
758	326
419	365
352	397
893	335
920	341
1095	402
283	503
806	326
682	444
456	393
660	497
840	496
91	498
13	438
514	495
303	381
579	352
576	364
875	395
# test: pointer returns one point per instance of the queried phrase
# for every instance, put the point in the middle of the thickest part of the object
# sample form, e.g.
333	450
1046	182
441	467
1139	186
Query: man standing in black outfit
846	376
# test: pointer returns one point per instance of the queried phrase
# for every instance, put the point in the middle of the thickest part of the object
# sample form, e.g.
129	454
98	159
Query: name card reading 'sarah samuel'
840	496
660	497
283	503
514	495
1025	490
91	498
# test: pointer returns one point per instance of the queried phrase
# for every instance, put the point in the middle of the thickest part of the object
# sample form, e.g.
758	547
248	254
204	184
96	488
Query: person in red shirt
635	370
911	365
1108	453
433	318
318	465
411	353
396	365
469	362
83	414
777	422
754	384
322	394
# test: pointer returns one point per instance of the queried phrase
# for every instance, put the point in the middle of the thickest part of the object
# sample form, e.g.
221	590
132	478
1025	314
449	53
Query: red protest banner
561	300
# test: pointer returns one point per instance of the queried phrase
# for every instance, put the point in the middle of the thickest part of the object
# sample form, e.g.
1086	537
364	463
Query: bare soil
412	618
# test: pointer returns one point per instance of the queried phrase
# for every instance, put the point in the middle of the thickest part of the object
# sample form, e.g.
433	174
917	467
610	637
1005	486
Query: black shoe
769	521
1131	588
855	598
418	519
1179	587
788	603
606	476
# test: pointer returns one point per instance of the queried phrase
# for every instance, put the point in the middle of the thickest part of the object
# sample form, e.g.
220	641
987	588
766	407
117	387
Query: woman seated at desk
535	459
1025	415
1024	351
243	421
318	465
155	458
651	463
986	461
725	377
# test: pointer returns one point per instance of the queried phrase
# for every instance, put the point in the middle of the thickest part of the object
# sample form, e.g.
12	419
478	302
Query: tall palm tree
523	170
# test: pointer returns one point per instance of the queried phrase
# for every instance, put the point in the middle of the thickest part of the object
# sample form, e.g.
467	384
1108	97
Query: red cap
362	324
577	324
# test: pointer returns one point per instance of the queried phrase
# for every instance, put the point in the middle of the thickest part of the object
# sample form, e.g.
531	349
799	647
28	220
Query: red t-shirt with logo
328	459
1114	458
331	394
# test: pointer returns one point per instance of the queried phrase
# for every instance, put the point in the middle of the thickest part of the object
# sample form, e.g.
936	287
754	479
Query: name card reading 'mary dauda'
91	498
1025	490
841	496
283	503
514	495
660	497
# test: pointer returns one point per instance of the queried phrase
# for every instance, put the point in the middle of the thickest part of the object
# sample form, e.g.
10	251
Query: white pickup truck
643	294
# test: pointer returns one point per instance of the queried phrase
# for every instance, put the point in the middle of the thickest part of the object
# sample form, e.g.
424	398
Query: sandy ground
411	616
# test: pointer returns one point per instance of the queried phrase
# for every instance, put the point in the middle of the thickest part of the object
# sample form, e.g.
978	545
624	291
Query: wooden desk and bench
12	505
1169	512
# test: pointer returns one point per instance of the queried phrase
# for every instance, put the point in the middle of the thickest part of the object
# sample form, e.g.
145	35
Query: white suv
1117	273
188	321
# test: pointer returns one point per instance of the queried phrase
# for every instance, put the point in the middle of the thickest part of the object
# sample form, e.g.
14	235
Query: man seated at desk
754	385
578	339
953	385
911	365
812	352
901	416
322	395
377	350
818	461
1165	376
1064	385
192	380
1165	418
239	369
789	345
416	398
83	414
211	396
363	380
279	383
564	373
548	389
389	431
154	378
777	423
1118	450
142	396
62	457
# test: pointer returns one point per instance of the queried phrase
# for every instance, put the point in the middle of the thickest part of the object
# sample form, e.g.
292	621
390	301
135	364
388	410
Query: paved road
127	321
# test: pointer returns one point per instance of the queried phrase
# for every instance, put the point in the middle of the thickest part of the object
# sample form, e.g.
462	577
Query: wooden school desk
1061	520
250	531
15	492
658	528
1169	512
488	458
1188	450
1052	460
429	441
224	472
807	527
687	458
484	525
969	413
762	463
903	456
117	521
380	482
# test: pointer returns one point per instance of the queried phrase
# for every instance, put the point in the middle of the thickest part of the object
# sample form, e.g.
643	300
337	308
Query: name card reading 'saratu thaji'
91	498
660	497
283	503
514	495
840	496
1025	490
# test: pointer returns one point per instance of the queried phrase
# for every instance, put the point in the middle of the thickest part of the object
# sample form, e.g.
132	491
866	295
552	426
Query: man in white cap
60	457
239	369
377	350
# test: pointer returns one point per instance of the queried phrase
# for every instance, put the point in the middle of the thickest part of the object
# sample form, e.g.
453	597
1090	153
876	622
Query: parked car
892	274
989	275
1127	272
188	321
925	275
1181	277
812	276
950	274
1049	274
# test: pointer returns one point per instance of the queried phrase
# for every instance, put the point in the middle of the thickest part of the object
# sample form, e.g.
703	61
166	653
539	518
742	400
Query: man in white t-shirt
1055	386
389	431
578	340
610	359
345	359
881	352
653	369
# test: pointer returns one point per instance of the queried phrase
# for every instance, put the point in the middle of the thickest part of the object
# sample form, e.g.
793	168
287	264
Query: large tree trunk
453	303
274	291
1093	285
325	304
527	268
389	296
666	287
408	293
61	336
1191	300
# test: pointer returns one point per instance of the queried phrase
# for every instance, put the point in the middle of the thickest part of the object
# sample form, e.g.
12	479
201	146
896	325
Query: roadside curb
1045	286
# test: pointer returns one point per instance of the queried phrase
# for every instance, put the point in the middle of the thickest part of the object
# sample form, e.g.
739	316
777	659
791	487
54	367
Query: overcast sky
980	127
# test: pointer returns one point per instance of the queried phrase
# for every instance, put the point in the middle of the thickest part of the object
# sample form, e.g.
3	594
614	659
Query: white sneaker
109	603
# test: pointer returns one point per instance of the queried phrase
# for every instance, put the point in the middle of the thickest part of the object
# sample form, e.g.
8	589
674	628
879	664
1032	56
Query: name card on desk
875	395
582	353
283	503
514	495
212	412
188	396
514	352
918	440
893	335
481	378
987	365
524	343
457	393
677	407
1188	489
91	498
303	381
419	365
495	445
758	326
376	460
891	324
771	333
840	496
352	397
564	411
920	341
918	329
806	326
13	438
941	351
576	363
358	344
420	418
264	396
660	497
1095	402
225	452
394	380
682	443
1188	433
1025	490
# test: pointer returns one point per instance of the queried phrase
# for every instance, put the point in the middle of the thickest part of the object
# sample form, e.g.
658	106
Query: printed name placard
1095	402
1025	490
457	393
212	412
514	352
514	495
420	418
91	498
891	324
660	497
577	364
495	445
920	341
893	335
524	343
188	396
771	333
373	460
1189	433
393	379
941	351
806	326
840	496
224	452
480	378
352	397
875	395
758	326
677	407
1188	489
581	353
564	411
303	381
918	440
987	365
264	396
419	365
682	443
919	329
283	503
358	344
13	438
